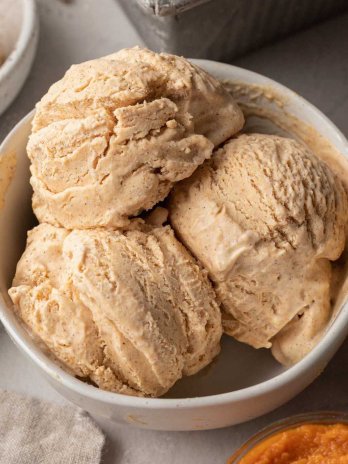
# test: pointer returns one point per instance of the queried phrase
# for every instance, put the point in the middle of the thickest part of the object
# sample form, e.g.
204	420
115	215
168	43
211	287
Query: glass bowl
320	417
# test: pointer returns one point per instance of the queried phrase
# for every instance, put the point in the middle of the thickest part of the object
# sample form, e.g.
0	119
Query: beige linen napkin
36	432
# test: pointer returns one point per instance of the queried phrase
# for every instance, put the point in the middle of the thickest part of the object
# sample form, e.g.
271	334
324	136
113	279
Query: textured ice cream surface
266	217
131	311
111	138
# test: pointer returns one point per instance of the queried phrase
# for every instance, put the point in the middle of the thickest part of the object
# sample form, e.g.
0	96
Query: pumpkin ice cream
266	218
113	136
130	311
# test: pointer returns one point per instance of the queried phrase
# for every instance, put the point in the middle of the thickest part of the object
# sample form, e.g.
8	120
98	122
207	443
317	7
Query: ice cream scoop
130	311
265	217
113	136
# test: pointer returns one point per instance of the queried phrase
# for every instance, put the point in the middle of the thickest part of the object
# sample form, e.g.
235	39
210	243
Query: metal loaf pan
223	29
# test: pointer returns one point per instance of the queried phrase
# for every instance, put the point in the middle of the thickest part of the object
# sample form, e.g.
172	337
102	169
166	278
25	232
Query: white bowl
19	31
241	384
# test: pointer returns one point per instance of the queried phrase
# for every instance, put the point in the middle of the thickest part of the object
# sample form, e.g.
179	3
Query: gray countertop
314	63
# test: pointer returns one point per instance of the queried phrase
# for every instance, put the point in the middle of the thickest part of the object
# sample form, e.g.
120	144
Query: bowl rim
27	28
336	333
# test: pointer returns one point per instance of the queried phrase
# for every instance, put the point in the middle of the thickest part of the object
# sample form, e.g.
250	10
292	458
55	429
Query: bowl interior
238	366
11	17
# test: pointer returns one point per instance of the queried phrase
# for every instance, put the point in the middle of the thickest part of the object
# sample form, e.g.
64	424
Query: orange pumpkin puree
305	444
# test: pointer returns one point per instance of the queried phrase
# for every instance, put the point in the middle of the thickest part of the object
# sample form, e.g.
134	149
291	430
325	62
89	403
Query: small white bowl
241	384
19	37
